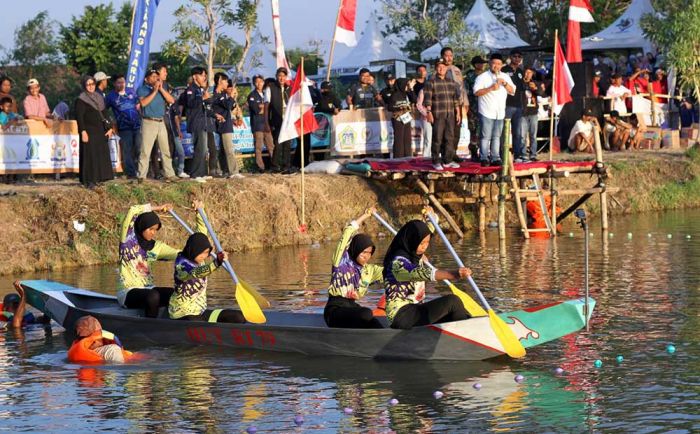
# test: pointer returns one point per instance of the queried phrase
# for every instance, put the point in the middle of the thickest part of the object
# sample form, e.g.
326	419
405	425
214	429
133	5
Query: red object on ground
466	167
302	229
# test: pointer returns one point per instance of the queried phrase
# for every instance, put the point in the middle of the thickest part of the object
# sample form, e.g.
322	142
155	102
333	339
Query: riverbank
264	210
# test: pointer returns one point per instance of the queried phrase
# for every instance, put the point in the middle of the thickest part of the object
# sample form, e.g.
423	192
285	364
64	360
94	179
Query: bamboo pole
553	101
482	206
503	185
301	144
553	202
436	203
335	29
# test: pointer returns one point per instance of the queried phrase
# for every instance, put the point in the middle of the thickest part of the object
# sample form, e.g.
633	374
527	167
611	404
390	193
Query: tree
35	44
98	40
199	26
313	57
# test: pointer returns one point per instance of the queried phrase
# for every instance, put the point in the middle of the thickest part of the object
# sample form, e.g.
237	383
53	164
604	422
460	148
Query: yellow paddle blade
262	301
249	307
505	335
469	304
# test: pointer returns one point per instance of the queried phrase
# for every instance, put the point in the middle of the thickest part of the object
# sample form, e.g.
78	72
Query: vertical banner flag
563	80
141	31
299	102
579	12
345	29
279	45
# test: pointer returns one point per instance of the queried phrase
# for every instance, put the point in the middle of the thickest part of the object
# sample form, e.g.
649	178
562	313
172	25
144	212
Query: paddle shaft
459	261
227	264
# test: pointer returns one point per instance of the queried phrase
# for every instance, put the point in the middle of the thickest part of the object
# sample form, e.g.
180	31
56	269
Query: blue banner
141	31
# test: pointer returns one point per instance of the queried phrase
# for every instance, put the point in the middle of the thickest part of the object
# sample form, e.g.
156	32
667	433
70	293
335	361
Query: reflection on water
647	293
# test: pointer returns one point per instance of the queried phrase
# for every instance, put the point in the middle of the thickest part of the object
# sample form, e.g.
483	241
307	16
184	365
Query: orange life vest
80	351
534	211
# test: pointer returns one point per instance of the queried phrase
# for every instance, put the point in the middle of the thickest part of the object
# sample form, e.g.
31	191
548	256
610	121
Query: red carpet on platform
466	167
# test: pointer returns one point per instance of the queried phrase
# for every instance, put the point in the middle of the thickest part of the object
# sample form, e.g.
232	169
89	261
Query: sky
301	20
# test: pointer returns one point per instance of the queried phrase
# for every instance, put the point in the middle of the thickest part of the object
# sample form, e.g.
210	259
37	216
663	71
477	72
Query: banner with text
141	31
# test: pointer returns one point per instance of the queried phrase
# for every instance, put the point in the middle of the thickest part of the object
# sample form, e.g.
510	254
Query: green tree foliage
98	40
313	57
35	44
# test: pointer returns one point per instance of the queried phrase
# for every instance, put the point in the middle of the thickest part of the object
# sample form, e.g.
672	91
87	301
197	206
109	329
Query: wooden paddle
262	301
250	308
469	304
510	342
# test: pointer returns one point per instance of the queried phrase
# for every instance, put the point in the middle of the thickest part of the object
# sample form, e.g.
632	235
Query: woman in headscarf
192	266
400	107
94	160
351	276
404	277
137	249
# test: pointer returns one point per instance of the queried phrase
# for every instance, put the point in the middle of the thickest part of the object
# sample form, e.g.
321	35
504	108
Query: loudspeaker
583	78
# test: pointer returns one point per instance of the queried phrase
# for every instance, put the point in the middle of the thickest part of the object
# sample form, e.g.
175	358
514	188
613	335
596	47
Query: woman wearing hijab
351	276
94	160
137	249
400	107
192	266
404	277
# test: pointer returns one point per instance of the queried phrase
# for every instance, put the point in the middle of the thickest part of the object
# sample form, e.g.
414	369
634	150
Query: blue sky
301	20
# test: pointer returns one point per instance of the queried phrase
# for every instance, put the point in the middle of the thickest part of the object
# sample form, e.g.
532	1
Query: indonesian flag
579	12
345	29
279	45
563	80
299	101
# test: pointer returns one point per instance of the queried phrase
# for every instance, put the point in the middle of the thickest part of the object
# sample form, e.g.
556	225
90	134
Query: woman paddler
404	275
137	249
192	266
351	276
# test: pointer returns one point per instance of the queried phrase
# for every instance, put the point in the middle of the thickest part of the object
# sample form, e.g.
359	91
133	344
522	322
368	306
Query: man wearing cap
514	103
124	105
153	98
328	103
277	93
363	94
478	66
441	99
35	105
386	93
492	88
581	138
455	74
102	81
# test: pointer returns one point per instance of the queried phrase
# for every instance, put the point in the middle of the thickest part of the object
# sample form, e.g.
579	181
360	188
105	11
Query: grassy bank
264	211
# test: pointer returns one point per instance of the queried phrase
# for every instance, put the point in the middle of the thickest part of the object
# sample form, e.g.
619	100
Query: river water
644	275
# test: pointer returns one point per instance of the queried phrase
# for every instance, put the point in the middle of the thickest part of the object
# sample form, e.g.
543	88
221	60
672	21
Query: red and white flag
279	45
563	80
299	102
579	12
345	29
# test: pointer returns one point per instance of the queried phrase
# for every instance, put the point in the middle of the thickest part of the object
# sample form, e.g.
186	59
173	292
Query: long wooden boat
307	333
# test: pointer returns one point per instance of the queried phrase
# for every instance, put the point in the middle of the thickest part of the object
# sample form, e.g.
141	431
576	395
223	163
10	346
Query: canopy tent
625	32
491	33
372	47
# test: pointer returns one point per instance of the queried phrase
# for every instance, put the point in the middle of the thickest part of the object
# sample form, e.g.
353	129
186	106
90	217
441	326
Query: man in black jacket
514	103
199	121
278	95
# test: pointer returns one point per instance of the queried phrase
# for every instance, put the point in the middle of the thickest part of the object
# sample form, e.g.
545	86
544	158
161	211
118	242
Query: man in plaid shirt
441	97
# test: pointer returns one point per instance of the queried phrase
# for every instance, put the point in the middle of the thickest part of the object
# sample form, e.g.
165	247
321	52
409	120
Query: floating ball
669	236
519	378
348	410
629	234
687	237
437	394
571	234
598	363
558	371
619	359
670	348
611	235
299	419
477	386
649	235
591	234
393	401
251	430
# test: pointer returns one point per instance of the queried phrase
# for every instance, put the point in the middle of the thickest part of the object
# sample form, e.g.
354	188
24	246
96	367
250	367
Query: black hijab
406	242
358	244
195	245
143	222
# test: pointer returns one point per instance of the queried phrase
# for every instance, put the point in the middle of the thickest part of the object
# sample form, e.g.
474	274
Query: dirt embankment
265	210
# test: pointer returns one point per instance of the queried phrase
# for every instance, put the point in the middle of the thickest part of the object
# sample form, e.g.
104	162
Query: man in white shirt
581	137
492	88
618	93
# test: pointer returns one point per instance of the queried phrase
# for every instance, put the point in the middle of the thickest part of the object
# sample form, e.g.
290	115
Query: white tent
625	32
491	33
372	47
259	61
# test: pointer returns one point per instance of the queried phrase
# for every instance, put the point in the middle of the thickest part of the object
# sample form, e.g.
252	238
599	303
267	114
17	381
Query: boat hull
471	339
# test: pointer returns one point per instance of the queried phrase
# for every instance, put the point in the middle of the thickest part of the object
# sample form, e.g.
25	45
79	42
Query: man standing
124	105
199	121
478	66
514	103
455	74
153	97
441	102
618	93
278	95
363	94
259	123
102	81
492	88
328	103
530	108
